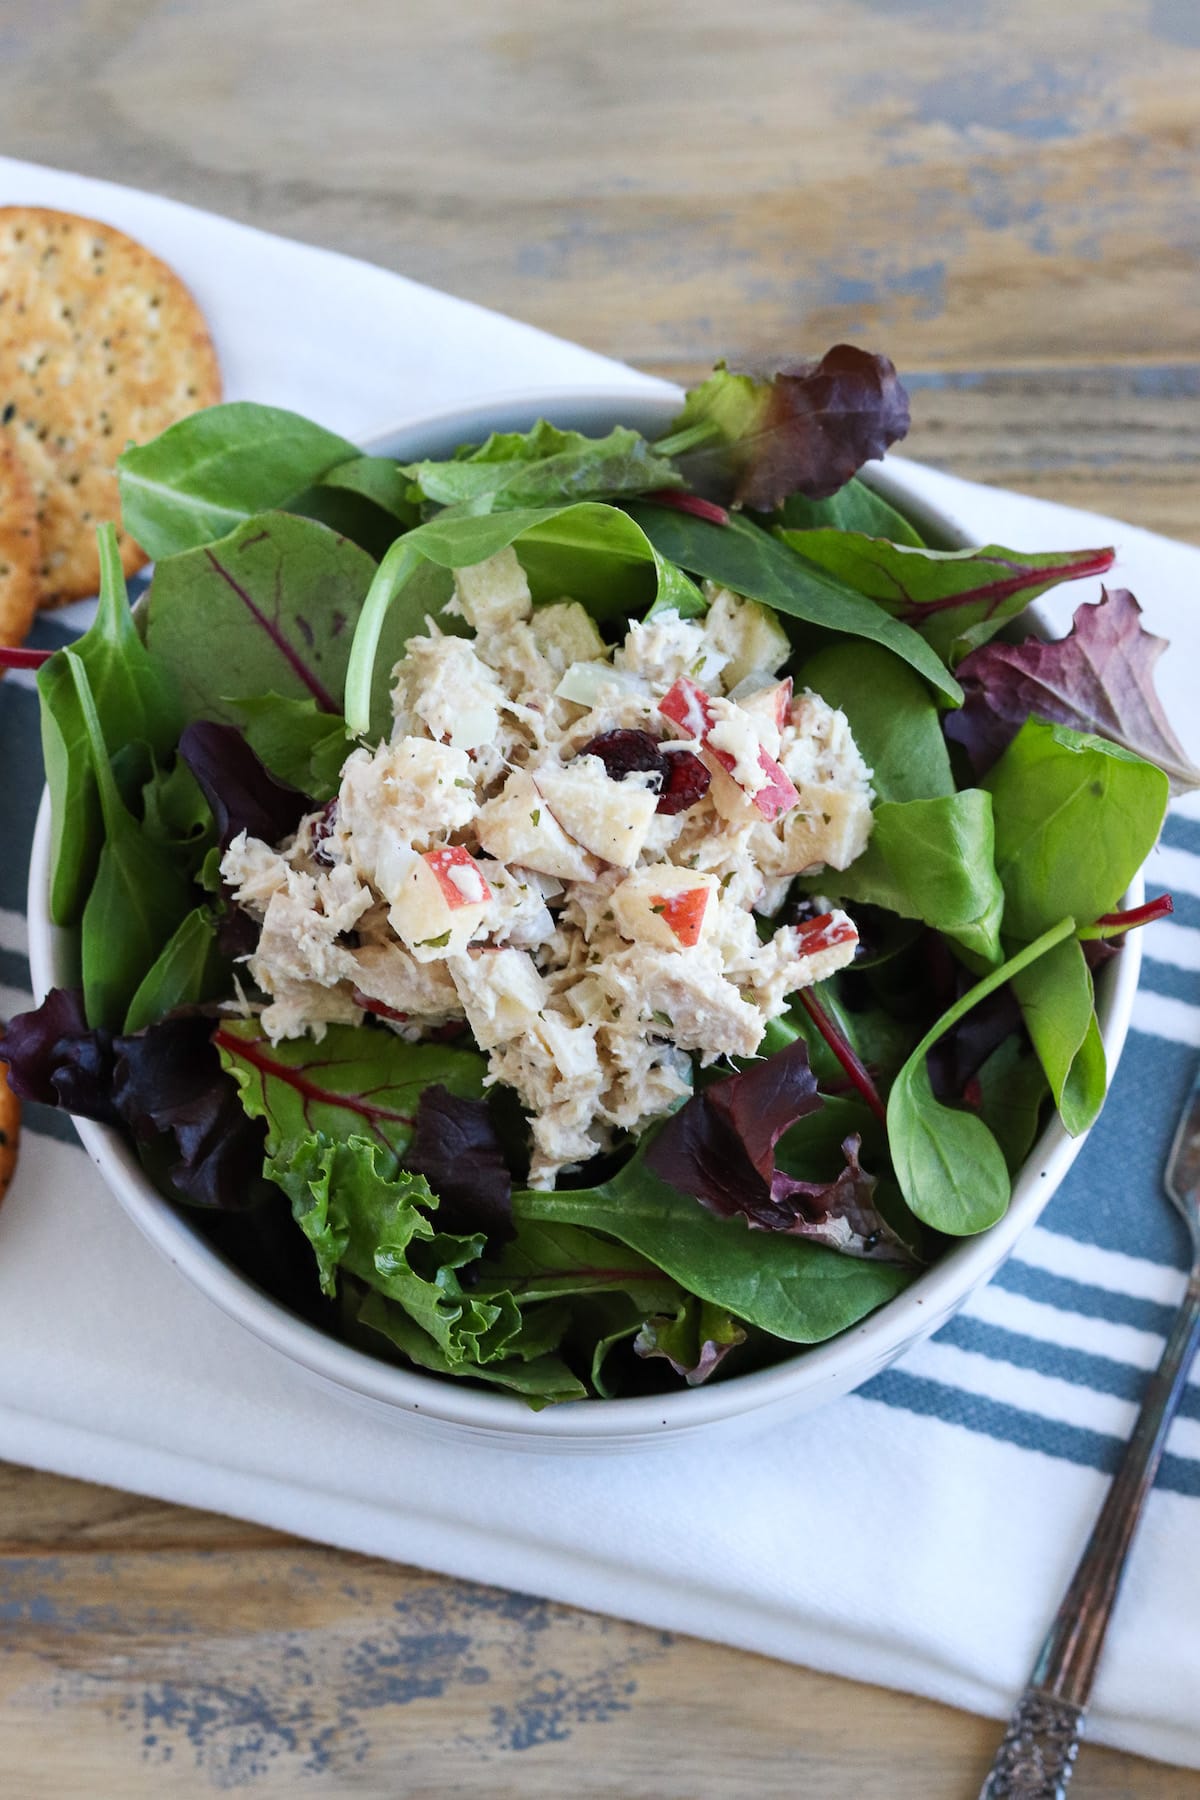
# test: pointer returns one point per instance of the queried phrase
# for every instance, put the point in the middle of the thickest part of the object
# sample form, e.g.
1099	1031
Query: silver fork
1037	1755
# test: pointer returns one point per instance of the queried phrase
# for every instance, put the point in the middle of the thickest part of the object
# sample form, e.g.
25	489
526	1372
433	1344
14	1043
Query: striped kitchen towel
917	1533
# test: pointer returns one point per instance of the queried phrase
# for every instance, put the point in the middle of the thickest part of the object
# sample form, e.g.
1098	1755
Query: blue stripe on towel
1082	1368
1011	1425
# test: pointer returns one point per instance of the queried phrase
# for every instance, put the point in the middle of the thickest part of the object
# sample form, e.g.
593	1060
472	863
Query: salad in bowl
585	914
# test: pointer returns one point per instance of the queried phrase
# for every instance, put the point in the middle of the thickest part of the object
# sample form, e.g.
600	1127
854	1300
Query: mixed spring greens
374	1183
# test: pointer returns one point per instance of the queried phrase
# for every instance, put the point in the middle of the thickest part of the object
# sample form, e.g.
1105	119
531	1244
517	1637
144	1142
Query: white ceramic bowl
804	1380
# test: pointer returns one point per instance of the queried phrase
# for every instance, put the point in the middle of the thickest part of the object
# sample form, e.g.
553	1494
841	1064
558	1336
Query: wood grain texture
1003	194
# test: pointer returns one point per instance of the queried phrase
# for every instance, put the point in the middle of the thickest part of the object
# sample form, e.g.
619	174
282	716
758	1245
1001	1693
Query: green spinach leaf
800	1292
295	740
892	717
1075	819
207	474
1012	1090
134	705
856	507
950	1168
188	970
139	893
1058	1005
931	860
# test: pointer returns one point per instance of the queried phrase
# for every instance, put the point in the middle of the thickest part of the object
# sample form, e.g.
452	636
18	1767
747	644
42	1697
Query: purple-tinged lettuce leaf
457	1149
242	794
55	1059
720	1145
956	599
165	1084
168	1080
695	1340
805	427
1097	679
720	1148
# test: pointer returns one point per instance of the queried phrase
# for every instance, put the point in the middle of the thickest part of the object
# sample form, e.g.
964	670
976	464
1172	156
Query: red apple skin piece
687	705
684	913
441	862
823	933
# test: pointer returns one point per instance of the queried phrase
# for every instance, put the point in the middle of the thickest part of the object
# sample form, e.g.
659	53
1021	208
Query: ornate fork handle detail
1035	1760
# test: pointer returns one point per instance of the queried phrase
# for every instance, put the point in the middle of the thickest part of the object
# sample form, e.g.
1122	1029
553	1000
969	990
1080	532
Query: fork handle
1037	1755
1035	1760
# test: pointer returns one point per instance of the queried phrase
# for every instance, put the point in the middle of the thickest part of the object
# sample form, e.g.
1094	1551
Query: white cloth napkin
918	1535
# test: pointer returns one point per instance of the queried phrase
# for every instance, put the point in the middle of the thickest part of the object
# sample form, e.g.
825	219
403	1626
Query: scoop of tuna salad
515	856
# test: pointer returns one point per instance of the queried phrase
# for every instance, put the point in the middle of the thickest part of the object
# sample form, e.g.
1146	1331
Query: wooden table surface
1004	194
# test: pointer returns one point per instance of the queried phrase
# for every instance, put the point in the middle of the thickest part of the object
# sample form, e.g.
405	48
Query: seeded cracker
99	343
10	1130
18	546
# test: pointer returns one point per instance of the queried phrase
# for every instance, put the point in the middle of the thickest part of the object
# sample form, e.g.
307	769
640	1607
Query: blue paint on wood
305	1704
1176	22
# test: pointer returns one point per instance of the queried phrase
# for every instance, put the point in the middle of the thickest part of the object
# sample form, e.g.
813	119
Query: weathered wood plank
672	186
279	1670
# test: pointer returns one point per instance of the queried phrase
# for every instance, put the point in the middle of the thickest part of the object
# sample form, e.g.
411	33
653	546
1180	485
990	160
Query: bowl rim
839	1363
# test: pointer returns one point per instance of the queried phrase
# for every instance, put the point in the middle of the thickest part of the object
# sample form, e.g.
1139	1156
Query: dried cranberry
687	781
682	777
322	831
627	753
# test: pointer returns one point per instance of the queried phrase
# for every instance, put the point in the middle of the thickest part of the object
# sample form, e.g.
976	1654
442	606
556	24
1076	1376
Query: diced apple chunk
566	634
493	594
608	818
501	993
518	828
438	903
763	697
669	907
750	634
730	746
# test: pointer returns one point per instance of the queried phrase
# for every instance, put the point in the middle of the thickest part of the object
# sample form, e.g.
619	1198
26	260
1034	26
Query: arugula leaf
932	860
1075	818
695	1340
892	717
855	507
1098	678
1058	1006
798	1291
205	475
357	1080
804	427
188	970
133	704
138	895
956	599
544	467
759	564
950	1168
540	1378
